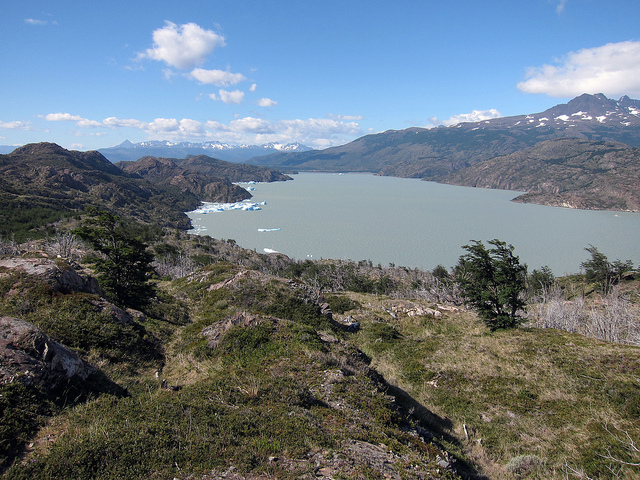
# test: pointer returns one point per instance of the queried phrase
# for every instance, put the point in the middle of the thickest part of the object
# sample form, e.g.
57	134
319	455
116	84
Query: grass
274	377
285	384
516	393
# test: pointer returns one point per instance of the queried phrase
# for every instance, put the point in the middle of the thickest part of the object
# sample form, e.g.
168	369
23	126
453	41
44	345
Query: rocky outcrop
30	356
58	274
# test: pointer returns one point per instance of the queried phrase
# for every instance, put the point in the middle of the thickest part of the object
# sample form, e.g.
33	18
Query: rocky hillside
565	172
43	183
233	374
207	178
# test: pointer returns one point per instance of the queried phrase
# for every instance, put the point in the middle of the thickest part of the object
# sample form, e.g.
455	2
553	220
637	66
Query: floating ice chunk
268	229
209	207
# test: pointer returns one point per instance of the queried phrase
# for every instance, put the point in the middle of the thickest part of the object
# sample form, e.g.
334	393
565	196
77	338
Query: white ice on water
208	207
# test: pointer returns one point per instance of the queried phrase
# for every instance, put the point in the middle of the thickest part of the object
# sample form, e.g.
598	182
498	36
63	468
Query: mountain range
479	154
128	151
430	153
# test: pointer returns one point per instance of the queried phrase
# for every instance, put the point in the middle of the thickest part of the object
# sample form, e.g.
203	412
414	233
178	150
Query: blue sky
88	74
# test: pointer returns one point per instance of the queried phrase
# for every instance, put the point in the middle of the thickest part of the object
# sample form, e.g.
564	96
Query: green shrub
341	303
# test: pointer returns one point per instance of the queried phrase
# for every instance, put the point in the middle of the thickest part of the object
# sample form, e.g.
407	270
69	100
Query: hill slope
208	178
565	172
42	183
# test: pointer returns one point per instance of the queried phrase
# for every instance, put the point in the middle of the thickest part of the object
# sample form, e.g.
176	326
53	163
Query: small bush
523	465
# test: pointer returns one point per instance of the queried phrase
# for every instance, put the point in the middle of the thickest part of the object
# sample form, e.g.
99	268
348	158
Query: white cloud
315	132
612	69
191	127
250	125
560	6
15	125
320	132
34	21
346	117
253	87
61	117
220	78
474	116
231	97
267	102
183	46
114	122
67	117
166	125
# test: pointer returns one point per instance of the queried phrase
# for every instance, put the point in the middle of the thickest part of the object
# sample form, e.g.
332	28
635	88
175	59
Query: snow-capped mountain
432	153
583	111
127	150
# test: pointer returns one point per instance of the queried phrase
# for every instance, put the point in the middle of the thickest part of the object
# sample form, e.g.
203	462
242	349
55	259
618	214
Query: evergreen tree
603	273
492	280
125	264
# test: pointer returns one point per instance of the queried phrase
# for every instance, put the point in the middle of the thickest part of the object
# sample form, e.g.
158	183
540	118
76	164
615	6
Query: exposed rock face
29	356
58	274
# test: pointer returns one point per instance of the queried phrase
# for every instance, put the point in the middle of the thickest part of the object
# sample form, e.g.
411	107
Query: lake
414	223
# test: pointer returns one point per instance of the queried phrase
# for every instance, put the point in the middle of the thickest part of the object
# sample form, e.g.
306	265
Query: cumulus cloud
219	78
253	87
267	102
474	116
231	97
612	69
315	132
184	46
65	117
114	122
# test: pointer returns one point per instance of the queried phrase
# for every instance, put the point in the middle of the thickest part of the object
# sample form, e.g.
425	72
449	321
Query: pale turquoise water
416	224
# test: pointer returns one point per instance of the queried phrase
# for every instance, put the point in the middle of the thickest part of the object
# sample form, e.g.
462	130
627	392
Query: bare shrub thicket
613	317
8	246
175	266
64	244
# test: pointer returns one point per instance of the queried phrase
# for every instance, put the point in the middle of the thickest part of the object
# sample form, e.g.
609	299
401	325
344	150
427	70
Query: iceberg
268	229
208	207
